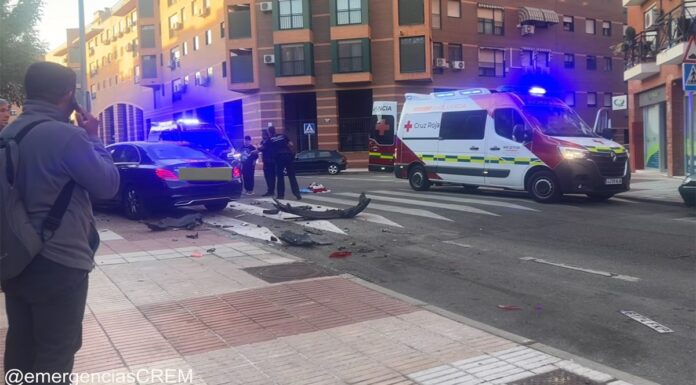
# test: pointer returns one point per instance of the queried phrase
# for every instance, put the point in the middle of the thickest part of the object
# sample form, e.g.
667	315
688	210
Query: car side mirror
521	133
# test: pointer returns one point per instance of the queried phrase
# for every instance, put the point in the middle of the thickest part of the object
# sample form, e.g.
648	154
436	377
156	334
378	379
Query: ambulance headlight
572	153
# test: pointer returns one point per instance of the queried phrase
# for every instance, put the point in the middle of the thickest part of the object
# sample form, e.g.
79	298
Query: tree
20	45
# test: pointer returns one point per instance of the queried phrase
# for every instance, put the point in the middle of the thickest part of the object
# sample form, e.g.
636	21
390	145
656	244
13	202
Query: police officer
283	156
269	172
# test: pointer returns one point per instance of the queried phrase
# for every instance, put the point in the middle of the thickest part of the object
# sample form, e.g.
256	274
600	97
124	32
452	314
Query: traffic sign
310	128
690	53
689	76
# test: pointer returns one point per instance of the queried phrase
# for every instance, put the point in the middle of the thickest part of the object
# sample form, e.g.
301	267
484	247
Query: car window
463	125
307	155
325	154
125	154
505	121
116	153
167	152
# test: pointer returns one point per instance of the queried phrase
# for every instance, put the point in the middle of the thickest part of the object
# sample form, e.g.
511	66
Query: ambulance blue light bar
537	91
188	121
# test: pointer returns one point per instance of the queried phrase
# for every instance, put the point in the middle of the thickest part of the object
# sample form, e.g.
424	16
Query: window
348	12
591	99
568	23
239	21
570	99
292	60
211	73
607	99
490	21
177	89
455	52
149	66
147	36
290	14
193	8
591	62
436	20
136	74
606	28
505	121
184	48
527	58
196	43
307	155
463	125
222	30
350	56
454	8
491	62
146	8
175	58
412	54
411	12
543	59
224	69
608	64
125	154
438	53
209	37
569	60
174	24
590	26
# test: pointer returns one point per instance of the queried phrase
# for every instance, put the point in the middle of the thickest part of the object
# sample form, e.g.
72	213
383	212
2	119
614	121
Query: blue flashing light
188	121
537	91
443	94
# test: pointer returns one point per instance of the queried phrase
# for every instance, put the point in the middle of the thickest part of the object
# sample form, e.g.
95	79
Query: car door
507	157
127	159
461	146
324	158
305	161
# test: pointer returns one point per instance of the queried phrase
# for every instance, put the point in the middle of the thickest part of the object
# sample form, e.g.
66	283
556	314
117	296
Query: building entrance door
654	136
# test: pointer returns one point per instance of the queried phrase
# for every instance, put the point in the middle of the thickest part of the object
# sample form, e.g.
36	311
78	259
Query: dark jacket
51	155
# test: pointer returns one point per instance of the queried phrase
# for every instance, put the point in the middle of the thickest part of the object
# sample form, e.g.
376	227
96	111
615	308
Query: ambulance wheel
544	188
599	197
418	179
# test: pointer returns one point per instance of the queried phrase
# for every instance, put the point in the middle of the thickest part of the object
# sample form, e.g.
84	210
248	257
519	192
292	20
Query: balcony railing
642	49
677	26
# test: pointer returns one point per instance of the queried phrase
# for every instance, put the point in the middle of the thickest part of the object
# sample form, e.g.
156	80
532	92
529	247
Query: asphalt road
570	267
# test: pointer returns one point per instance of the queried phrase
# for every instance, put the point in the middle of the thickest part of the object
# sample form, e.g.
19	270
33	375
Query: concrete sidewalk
196	300
654	187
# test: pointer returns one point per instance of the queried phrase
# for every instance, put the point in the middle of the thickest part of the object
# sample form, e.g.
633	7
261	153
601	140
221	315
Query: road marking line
257	210
242	228
462	208
367	217
457	243
686	219
383	207
364	179
456	199
622	200
658	327
108	235
590	271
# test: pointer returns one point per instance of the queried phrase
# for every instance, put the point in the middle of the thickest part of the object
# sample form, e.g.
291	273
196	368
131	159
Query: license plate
613	181
211	174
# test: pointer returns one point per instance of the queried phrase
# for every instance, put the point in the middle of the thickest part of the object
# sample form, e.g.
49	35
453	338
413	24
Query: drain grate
289	272
557	377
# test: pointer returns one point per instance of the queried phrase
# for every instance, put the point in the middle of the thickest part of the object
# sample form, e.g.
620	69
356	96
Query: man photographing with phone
60	167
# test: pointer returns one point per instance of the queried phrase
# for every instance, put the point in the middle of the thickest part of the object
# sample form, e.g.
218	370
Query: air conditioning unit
203	12
176	26
458	65
266	6
441	62
269	59
527	29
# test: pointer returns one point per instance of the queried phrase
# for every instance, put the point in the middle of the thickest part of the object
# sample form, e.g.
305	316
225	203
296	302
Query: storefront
653	109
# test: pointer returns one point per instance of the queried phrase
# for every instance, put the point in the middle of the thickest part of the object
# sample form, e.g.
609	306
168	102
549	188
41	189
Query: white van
476	137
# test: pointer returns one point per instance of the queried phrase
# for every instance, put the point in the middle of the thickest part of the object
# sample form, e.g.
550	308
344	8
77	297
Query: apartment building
247	63
654	48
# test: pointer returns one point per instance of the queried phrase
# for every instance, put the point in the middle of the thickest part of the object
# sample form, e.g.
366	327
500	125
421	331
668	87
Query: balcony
628	3
640	54
673	32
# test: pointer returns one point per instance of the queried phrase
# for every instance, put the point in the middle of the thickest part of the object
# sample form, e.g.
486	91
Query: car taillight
236	172
165	174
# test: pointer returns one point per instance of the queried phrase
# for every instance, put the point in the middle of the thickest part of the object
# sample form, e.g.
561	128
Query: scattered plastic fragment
188	222
196	254
271	211
307	212
210	251
192	236
509	307
274	239
340	254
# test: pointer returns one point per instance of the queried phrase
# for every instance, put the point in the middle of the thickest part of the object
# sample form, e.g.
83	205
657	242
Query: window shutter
309	59
278	59
365	8
276	16
366	60
332	12
334	56
307	14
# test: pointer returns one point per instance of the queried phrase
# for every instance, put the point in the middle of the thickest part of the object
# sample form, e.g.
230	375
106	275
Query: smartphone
76	105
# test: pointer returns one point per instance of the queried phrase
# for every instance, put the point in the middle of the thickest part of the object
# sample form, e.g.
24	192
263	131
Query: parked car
687	190
150	178
201	135
332	162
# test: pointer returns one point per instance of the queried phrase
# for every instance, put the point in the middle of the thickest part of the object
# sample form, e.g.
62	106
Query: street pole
84	97
690	140
309	141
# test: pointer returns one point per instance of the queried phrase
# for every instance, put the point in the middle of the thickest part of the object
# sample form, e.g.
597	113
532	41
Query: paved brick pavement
162	300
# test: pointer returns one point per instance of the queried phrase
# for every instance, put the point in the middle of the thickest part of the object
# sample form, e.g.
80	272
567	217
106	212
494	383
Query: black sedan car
332	162
167	175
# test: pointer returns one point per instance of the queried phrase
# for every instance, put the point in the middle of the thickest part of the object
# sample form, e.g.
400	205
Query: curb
617	374
651	200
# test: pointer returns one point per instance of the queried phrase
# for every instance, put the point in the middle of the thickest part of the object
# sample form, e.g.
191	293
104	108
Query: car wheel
599	197
216	206
418	179
544	188
333	169
134	206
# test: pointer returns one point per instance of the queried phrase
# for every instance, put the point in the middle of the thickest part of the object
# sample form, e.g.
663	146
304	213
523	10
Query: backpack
20	242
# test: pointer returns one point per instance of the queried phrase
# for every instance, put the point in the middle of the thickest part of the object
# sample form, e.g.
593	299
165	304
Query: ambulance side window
463	125
505	121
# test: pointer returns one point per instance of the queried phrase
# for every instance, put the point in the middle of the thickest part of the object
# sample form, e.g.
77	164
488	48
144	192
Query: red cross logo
408	126
382	127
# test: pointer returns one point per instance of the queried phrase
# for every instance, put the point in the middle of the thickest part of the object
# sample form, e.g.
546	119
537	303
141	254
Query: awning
530	15
489	6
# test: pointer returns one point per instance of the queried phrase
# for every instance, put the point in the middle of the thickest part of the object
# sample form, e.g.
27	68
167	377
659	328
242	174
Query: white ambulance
530	142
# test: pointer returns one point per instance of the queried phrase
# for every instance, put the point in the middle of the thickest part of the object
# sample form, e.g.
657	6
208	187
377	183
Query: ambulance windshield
558	121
